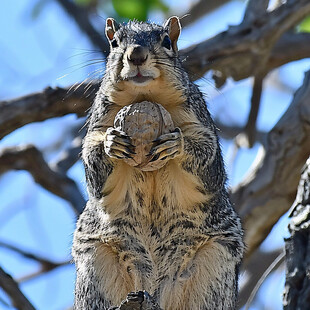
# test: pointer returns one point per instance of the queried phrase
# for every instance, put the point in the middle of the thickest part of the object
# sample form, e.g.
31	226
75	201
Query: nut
144	122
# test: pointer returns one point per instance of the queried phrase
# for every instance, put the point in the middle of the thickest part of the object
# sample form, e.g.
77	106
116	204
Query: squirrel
170	235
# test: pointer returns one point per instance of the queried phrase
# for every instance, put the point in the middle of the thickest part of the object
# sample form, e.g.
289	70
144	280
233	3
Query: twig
250	128
254	268
274	265
46	265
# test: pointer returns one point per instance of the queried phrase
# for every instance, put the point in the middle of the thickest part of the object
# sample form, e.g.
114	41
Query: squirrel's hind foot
140	300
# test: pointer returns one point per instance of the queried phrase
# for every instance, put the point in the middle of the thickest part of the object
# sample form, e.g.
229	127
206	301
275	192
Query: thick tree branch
31	159
290	47
269	190
52	102
18	299
246	50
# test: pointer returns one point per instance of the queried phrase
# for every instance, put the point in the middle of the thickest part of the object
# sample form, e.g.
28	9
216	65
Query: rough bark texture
297	246
52	102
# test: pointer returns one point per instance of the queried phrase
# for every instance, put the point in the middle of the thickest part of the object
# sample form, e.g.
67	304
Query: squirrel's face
141	53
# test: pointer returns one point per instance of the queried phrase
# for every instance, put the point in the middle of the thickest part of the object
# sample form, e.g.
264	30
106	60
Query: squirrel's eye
114	43
166	42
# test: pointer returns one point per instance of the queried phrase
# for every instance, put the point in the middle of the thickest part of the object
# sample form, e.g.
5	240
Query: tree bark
297	286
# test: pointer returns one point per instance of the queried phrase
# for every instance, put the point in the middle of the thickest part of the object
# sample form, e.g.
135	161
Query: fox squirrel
170	236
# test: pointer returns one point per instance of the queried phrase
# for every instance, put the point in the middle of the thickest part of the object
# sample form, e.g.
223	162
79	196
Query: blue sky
35	54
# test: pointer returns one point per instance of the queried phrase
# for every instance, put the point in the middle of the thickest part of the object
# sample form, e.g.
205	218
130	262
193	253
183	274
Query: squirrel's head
143	56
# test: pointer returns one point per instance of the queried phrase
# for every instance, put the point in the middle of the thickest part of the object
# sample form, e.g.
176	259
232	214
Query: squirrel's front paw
117	144
167	146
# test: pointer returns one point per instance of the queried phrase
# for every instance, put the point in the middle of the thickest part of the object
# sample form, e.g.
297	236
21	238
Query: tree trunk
297	287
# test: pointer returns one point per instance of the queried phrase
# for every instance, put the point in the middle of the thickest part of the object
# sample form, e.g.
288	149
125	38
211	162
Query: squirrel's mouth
140	79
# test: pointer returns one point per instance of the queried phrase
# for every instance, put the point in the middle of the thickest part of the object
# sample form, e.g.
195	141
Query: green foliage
85	2
137	9
304	26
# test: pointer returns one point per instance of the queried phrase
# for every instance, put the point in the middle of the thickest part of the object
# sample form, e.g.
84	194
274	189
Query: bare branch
52	102
200	9
29	158
255	267
46	264
290	47
70	156
245	50
11	288
268	192
81	17
249	133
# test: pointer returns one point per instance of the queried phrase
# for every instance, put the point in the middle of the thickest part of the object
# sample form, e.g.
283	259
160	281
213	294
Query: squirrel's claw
117	144
167	146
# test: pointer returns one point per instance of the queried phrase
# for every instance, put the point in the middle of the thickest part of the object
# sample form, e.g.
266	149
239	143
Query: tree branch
246	50
255	267
248	137
11	288
200	9
81	17
70	156
29	158
270	188
46	265
52	102
231	132
255	9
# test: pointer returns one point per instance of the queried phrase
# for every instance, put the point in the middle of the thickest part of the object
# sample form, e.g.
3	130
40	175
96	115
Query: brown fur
172	231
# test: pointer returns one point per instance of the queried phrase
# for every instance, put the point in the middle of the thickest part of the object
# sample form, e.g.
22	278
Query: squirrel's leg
87	293
207	282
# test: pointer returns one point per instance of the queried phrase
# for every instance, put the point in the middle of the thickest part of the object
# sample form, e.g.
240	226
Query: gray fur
179	233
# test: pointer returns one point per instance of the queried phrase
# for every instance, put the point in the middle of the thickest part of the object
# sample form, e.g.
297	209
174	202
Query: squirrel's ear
173	26
111	27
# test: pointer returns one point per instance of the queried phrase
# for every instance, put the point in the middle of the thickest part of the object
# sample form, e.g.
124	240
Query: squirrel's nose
137	55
